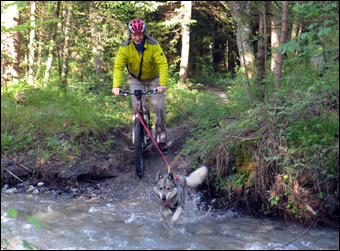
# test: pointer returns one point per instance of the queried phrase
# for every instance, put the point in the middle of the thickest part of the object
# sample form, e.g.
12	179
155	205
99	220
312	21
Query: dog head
165	187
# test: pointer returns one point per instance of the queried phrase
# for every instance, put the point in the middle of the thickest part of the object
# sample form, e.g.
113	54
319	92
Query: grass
47	113
277	153
47	121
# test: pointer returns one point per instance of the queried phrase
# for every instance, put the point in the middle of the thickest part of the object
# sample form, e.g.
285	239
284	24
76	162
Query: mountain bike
140	137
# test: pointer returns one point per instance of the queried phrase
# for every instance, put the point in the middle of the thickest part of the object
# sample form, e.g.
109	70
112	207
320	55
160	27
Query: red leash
180	182
140	119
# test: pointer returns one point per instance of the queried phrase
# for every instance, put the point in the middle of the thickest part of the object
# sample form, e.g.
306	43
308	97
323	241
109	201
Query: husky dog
172	191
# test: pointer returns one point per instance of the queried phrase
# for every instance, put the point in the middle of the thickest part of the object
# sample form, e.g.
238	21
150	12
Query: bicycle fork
146	122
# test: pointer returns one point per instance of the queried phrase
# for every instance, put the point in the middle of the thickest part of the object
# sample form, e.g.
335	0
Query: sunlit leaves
12	212
34	221
291	46
28	245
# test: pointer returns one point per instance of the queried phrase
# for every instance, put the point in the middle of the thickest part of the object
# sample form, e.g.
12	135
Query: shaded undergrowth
280	159
45	122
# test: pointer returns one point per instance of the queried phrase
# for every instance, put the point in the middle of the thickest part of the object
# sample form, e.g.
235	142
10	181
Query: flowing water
129	225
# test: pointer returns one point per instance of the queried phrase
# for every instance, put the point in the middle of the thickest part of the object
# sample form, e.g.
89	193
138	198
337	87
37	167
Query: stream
78	224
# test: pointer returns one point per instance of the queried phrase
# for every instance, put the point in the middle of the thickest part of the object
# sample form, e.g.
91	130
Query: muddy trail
108	176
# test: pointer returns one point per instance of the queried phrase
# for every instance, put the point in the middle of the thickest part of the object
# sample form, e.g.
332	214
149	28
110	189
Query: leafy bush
277	153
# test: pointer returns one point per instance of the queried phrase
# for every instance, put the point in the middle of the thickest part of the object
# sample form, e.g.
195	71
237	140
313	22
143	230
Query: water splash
121	225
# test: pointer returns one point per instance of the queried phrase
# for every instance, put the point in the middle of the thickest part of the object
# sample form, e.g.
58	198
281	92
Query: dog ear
171	176
159	176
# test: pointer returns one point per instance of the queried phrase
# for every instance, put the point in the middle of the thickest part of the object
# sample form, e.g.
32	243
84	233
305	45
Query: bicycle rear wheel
138	149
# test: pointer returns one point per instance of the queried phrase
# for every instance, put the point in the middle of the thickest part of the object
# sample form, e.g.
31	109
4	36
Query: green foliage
241	179
34	221
28	245
49	113
13	213
294	135
317	33
296	139
274	201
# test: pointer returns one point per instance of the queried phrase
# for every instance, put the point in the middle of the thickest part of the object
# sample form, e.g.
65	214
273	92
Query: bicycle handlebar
125	92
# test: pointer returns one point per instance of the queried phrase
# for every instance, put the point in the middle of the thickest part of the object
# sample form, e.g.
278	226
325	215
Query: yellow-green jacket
154	62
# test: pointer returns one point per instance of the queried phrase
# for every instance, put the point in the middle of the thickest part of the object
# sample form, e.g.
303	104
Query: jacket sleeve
119	67
162	64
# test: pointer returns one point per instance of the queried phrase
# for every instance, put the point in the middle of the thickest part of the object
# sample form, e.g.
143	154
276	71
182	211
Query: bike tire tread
138	149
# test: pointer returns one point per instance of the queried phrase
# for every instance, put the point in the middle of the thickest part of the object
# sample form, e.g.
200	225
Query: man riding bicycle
147	66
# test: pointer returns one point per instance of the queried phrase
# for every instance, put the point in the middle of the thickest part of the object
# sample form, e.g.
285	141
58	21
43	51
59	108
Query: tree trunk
31	46
26	67
39	48
261	50
194	53
52	41
284	31
231	48
218	50
10	46
275	35
243	36
266	8
183	73
61	26
227	53
97	49
251	95
294	26
298	38
67	43
63	22
294	32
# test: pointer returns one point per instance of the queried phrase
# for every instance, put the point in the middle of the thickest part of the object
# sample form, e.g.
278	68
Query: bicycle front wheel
139	149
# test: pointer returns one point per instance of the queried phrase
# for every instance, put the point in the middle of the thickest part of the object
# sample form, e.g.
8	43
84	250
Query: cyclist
147	66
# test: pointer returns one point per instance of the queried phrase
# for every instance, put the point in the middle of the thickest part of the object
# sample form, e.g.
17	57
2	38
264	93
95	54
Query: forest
257	83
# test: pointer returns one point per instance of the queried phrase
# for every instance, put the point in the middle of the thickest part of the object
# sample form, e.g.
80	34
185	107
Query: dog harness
173	209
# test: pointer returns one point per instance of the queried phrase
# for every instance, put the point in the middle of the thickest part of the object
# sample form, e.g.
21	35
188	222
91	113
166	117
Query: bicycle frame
144	114
139	130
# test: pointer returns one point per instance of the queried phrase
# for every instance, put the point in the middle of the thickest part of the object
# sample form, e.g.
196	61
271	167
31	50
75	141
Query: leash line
180	181
140	119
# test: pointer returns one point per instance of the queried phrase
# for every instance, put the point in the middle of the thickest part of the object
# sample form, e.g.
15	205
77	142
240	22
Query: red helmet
137	26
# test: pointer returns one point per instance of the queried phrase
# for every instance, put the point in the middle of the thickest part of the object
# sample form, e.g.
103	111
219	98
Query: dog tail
197	177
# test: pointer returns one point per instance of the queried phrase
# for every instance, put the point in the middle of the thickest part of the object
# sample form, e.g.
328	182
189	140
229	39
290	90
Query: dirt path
110	176
127	186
